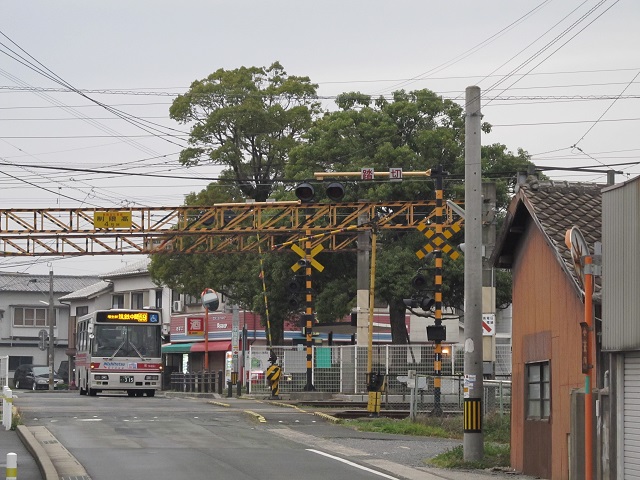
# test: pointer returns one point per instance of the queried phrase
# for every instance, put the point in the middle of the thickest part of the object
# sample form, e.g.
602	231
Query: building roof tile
555	207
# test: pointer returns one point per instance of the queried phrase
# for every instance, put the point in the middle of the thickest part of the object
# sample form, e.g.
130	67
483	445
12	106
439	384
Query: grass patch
397	427
495	455
496	428
16	418
496	431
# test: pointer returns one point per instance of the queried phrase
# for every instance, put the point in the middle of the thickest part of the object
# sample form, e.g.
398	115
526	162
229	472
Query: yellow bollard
12	466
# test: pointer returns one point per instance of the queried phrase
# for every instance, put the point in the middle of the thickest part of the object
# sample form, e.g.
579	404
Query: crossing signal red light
305	192
335	191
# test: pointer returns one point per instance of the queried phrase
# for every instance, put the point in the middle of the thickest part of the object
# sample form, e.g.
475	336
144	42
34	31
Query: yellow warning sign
112	219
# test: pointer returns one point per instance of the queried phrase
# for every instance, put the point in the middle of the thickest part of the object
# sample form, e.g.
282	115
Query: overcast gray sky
559	80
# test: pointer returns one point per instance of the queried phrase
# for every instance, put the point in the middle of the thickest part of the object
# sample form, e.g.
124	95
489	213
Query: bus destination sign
128	317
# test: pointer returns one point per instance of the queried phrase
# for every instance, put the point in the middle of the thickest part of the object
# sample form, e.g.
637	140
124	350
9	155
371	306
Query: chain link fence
342	370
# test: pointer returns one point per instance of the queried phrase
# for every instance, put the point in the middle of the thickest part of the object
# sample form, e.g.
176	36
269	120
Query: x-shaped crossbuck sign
314	263
439	241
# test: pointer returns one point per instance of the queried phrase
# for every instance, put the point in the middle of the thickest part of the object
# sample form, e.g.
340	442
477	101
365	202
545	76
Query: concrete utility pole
51	314
473	444
362	283
488	274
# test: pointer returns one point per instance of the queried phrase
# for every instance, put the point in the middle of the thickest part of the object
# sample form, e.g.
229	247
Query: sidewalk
27	466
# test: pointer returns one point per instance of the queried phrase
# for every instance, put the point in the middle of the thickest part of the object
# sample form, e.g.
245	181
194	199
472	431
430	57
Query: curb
328	417
257	416
45	465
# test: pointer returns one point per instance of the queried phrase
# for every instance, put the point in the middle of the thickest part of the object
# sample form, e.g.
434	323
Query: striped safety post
273	375
12	466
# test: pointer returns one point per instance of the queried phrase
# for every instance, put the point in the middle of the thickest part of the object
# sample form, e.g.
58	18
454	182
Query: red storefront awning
213	347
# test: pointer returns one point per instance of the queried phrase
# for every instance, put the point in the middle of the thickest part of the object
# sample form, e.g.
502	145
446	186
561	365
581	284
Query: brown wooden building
547	310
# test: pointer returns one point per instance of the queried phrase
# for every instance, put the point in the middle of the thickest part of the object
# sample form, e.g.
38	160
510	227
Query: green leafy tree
415	131
236	275
255	120
246	120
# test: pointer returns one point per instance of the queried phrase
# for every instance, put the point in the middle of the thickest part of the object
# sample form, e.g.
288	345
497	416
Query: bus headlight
151	377
101	377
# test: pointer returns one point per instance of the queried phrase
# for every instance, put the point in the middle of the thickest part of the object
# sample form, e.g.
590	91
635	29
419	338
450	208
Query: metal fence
342	370
201	382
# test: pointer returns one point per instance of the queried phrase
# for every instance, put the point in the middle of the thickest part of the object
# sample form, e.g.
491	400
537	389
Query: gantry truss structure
219	228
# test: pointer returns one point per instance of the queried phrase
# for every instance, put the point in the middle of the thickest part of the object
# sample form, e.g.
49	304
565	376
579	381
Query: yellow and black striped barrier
472	415
273	376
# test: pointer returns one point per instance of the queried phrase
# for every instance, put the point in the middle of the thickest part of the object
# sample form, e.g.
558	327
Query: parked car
35	377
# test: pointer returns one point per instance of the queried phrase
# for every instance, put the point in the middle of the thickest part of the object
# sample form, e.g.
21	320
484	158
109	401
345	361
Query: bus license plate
126	378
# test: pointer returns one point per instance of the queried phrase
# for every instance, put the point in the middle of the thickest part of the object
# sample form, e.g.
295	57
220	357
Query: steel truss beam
232	227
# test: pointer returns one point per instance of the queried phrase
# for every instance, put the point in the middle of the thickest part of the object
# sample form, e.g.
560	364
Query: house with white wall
24	313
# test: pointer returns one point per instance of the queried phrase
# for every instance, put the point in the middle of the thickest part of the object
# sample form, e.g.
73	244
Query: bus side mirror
90	328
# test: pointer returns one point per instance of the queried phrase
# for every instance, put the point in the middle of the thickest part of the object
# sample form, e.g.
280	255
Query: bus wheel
93	392
82	390
131	393
151	393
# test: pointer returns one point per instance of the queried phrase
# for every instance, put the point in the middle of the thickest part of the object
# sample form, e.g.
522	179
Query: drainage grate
76	477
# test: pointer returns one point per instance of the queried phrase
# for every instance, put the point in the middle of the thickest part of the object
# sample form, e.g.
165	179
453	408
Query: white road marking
353	464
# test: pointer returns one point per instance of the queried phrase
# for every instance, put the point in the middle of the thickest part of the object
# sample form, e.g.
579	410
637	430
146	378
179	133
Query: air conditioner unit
177	306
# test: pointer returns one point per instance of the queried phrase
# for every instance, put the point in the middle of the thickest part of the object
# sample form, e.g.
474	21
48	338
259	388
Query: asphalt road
115	436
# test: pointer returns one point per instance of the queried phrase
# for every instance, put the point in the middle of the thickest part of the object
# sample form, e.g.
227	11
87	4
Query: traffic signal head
305	192
419	282
293	303
294	285
335	191
426	303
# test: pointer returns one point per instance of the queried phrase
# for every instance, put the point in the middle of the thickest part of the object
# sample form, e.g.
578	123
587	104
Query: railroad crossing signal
314	263
439	241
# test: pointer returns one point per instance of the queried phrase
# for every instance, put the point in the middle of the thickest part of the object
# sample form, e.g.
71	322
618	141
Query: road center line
353	464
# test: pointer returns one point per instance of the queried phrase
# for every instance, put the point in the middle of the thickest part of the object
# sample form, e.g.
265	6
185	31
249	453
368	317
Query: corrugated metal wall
621	266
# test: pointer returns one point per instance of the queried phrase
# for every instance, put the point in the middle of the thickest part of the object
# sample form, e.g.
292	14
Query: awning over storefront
213	347
177	348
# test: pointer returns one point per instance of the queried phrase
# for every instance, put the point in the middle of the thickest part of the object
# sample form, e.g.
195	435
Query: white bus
119	350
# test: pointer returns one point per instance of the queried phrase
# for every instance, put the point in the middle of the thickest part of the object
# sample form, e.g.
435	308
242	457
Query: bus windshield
141	341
